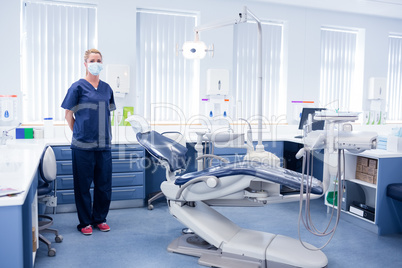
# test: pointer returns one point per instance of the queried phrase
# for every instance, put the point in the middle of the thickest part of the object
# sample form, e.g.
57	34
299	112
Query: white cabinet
373	195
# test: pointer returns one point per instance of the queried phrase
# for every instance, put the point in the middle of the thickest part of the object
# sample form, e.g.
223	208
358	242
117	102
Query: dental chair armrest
211	182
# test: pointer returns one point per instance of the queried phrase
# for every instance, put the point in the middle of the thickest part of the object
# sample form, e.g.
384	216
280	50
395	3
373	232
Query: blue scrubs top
91	107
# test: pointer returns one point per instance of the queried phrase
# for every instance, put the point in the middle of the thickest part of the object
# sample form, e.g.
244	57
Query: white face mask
95	68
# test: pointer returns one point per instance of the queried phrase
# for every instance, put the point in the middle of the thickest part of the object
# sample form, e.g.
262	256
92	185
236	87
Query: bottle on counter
48	128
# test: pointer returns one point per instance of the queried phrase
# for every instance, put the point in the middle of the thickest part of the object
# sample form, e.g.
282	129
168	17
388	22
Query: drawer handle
65	194
122	176
67	164
66	179
122	191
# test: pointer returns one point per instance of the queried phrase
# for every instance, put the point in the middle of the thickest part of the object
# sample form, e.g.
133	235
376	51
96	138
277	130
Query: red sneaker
103	227
87	230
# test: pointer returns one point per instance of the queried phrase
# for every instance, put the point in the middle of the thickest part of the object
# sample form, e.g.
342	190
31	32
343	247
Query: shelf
330	206
374	186
357	216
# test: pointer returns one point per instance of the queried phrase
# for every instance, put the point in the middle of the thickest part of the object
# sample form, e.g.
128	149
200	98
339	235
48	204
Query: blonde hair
89	51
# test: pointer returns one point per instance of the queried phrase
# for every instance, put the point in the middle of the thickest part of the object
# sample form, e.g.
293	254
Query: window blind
338	64
168	84
54	38
245	70
394	80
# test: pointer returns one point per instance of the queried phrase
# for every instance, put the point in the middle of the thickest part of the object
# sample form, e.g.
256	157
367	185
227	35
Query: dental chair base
228	245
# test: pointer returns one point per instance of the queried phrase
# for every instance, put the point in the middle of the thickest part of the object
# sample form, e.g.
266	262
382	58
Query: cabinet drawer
127	193
128	165
66	182
124	154
127	147
118	193
64	167
127	179
62	152
118	151
118	165
65	197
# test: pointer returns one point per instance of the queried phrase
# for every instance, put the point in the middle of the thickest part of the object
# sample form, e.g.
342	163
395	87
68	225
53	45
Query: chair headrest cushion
48	166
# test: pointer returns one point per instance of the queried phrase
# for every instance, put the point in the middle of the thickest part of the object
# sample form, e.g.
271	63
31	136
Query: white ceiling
384	8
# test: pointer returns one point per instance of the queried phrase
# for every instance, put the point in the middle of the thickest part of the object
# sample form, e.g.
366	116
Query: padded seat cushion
279	175
395	191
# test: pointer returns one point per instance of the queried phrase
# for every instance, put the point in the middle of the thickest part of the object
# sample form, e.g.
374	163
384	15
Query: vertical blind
167	82
245	69
54	38
338	63
394	80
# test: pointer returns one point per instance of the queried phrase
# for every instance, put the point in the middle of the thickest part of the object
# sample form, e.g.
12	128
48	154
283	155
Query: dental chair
47	170
217	241
177	136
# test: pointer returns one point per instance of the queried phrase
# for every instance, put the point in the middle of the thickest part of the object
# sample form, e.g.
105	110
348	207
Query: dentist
87	105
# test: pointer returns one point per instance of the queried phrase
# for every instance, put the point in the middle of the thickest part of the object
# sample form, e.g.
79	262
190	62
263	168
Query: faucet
5	136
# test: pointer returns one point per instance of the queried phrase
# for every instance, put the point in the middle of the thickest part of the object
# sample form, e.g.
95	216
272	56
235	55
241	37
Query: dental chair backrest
47	170
165	149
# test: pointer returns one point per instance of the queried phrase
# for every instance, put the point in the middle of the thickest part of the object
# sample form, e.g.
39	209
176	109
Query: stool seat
395	191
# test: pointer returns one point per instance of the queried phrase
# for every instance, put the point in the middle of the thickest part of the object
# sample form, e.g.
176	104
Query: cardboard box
34	240
365	169
372	163
362	161
364	177
359	168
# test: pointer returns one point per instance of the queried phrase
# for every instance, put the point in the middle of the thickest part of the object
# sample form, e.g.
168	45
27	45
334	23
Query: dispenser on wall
217	99
8	108
376	115
118	77
217	82
377	88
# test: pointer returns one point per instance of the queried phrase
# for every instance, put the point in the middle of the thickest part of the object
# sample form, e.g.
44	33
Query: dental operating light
194	49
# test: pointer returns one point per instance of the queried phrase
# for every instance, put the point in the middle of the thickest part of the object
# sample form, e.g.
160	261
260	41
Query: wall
117	40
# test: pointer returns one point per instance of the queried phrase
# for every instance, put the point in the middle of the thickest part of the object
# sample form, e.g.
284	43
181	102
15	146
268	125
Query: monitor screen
317	125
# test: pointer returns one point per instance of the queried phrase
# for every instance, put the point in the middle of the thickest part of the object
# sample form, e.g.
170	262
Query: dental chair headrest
164	148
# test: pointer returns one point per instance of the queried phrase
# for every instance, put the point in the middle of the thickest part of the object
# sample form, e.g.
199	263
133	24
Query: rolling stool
47	170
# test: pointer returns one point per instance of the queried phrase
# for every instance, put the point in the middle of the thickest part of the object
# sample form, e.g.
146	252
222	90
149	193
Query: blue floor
139	237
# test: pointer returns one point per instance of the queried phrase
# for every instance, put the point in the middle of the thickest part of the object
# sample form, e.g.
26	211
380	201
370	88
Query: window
168	84
54	37
394	80
341	70
245	69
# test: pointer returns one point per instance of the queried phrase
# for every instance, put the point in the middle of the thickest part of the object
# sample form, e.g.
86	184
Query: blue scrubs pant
88	167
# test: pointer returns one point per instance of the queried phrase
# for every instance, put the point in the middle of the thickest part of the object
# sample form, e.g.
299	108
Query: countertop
19	159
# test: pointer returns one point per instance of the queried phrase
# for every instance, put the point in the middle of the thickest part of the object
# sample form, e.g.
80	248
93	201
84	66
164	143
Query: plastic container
48	128
38	133
332	198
